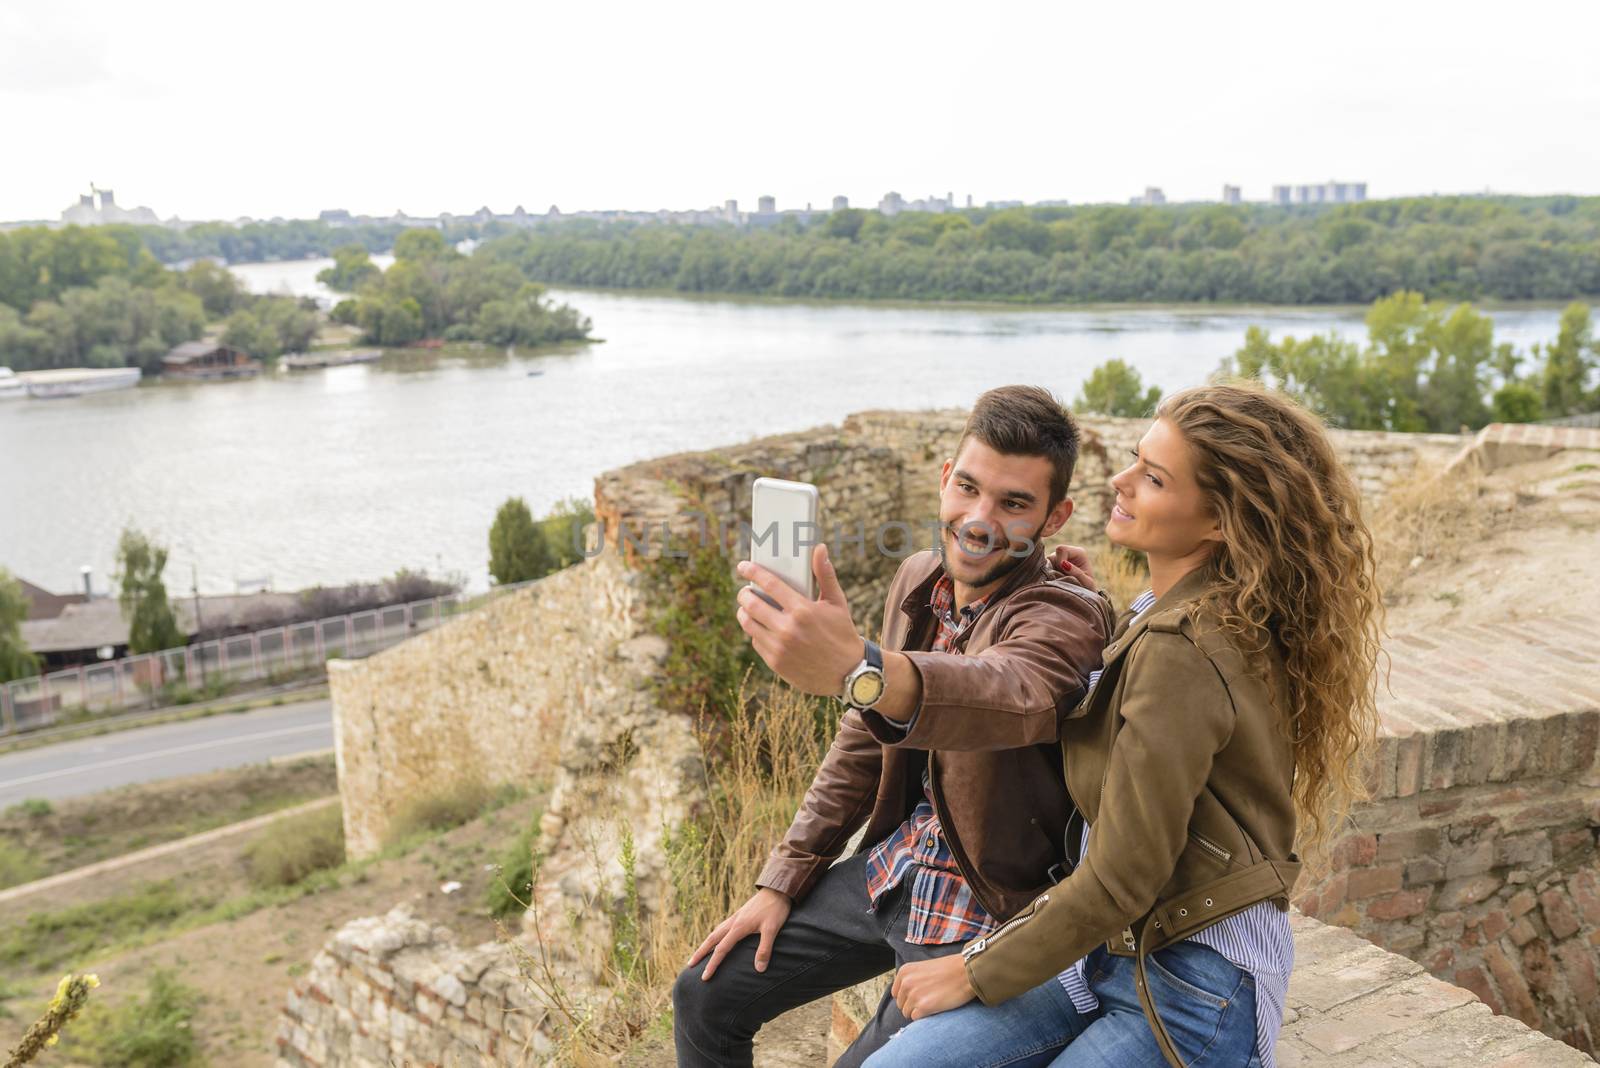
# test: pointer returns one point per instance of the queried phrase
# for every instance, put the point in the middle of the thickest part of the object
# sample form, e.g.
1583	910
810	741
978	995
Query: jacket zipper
980	944
1205	843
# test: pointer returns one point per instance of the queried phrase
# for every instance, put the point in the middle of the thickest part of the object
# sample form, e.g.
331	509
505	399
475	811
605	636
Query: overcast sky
209	110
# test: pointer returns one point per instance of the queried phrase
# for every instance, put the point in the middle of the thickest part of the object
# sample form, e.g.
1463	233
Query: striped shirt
943	908
1257	940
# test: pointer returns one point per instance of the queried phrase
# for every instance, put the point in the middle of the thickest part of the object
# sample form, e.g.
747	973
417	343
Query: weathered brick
1558	914
1470	860
1399	905
1356	851
1522	902
1445	752
1585	888
1518	1001
1369	882
1447	925
1523	851
1538	970
1523	932
1579	965
1569	842
1424	872
1578	749
1408	844
1409	751
1468	891
1475	980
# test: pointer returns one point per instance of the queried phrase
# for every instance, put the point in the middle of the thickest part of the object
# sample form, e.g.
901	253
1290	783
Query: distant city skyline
359	107
98	207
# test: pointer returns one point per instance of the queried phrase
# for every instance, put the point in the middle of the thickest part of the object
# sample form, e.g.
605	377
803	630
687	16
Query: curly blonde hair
1295	569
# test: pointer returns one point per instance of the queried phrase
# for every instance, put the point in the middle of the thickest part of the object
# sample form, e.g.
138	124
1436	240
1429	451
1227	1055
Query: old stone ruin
1459	923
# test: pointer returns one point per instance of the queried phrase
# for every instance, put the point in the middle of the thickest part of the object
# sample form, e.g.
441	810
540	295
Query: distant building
42	604
841	203
209	359
1322	193
1231	195
1281	195
766	205
893	203
1151	197
338	217
87	212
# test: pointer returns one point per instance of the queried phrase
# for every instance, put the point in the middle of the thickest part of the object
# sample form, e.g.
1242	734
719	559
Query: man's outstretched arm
1012	694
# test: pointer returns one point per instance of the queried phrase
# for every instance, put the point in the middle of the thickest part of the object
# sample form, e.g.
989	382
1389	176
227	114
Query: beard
1007	563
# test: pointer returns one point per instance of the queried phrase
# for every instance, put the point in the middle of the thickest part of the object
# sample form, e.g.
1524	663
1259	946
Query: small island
433	291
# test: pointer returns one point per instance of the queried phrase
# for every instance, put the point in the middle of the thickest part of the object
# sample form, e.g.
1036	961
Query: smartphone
783	531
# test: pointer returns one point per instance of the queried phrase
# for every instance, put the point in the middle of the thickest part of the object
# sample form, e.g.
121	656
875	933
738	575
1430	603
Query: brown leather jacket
988	722
1178	759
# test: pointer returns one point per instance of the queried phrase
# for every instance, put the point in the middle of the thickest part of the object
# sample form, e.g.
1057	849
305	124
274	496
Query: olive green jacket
1178	760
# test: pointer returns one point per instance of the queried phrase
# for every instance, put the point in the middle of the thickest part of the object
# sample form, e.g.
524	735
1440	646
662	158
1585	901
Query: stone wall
393	990
483	697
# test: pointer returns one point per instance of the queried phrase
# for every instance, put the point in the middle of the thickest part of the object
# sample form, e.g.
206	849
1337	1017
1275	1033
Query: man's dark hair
1027	421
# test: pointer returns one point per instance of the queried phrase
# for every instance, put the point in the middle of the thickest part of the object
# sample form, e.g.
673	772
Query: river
351	473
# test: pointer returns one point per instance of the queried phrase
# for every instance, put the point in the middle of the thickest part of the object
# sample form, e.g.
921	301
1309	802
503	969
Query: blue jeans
1207	1004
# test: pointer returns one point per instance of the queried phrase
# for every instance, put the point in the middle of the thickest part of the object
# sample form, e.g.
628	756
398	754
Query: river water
354	472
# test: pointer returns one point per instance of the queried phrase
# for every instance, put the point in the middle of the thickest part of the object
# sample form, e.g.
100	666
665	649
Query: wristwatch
864	685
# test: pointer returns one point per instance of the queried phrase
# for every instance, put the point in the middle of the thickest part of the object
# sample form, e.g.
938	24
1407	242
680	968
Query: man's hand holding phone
811	645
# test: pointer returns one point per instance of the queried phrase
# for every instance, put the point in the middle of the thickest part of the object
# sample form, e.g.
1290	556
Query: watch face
866	688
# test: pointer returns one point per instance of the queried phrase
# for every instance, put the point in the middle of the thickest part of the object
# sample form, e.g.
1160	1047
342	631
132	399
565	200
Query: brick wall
1477	853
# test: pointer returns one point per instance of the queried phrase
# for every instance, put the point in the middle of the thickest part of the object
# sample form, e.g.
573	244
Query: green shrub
32	807
694	606
296	847
154	1031
17	865
508	893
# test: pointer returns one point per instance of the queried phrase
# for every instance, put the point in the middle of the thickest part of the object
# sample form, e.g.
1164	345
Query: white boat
75	381
11	387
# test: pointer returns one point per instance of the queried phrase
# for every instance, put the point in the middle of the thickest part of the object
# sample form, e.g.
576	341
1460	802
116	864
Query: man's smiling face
991	506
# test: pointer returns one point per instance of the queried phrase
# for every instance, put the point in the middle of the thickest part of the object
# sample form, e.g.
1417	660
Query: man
946	750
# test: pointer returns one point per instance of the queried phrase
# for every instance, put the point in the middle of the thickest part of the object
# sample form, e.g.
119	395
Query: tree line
1459	248
97	297
1426	366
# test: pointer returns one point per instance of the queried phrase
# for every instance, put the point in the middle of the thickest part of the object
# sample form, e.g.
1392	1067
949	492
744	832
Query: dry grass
762	760
1429	516
296	847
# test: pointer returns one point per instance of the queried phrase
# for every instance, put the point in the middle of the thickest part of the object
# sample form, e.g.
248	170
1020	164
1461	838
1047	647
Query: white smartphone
783	531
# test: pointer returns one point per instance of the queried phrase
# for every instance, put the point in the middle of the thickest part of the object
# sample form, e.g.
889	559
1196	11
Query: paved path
145	754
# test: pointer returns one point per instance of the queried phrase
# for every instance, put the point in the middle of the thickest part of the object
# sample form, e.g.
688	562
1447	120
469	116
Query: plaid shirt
942	906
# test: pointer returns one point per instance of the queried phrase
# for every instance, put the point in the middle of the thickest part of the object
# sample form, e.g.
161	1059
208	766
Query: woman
1229	714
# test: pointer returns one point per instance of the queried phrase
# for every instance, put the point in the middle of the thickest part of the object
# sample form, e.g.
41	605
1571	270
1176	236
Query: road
144	754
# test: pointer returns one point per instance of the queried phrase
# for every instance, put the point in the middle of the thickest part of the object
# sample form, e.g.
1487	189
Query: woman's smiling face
1159	507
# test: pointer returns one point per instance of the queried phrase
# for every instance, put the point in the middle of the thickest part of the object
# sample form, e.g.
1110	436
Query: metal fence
143	681
1588	419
